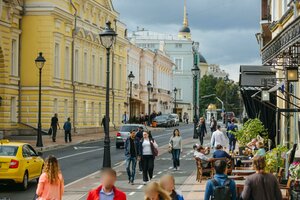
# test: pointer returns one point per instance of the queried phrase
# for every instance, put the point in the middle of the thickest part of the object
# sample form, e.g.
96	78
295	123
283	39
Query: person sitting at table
252	145
220	179
261	185
202	152
220	153
261	150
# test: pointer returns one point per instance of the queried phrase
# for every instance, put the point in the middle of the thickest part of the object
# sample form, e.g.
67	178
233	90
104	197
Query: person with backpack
232	139
220	187
68	128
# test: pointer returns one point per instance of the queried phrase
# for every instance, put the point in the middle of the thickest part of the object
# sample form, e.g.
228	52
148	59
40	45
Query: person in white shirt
219	138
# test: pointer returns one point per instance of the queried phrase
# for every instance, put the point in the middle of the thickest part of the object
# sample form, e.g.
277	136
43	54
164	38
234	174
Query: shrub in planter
275	158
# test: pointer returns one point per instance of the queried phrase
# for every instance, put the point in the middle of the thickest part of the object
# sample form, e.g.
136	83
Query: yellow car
19	163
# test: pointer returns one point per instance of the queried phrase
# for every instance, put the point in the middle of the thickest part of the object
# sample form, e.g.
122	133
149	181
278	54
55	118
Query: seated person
252	145
195	147
220	153
202	152
261	150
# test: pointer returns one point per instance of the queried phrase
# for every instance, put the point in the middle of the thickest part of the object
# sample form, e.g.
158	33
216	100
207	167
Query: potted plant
251	129
275	159
294	172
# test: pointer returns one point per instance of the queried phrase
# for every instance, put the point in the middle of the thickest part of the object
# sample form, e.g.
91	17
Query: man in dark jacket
107	189
232	140
68	128
54	124
131	154
139	136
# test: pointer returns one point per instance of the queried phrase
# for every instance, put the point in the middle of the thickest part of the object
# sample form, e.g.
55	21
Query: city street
79	161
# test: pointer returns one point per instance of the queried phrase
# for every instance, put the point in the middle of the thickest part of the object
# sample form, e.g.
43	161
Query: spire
185	16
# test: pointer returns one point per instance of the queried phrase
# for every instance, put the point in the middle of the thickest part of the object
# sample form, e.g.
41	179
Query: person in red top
107	189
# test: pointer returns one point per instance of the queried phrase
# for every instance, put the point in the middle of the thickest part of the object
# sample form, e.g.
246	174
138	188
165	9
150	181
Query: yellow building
74	75
10	12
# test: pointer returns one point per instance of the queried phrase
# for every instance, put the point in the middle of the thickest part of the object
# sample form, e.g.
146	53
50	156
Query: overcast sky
225	28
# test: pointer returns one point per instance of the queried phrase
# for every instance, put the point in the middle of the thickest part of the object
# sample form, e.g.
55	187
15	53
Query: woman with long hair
153	191
51	182
148	151
167	182
175	144
201	130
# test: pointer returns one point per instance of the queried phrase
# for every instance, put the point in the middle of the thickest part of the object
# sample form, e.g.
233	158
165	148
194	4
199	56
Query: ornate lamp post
107	38
149	106
130	78
40	62
175	103
226	80
195	72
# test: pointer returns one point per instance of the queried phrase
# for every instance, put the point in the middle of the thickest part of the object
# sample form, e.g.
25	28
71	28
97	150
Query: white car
176	117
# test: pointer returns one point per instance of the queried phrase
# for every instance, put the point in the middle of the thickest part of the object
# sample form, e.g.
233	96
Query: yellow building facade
74	75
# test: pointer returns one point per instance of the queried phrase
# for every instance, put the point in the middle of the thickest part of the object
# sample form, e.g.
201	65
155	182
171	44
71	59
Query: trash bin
154	124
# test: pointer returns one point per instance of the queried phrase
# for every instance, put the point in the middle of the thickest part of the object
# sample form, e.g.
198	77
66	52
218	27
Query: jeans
54	130
148	167
131	174
201	139
176	158
232	144
68	135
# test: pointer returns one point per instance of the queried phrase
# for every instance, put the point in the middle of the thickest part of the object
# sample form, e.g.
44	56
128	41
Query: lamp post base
106	156
39	141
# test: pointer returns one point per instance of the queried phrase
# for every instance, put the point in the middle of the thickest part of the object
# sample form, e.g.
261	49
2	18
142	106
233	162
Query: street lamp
149	106
175	103
226	80
107	38
130	78
40	62
195	72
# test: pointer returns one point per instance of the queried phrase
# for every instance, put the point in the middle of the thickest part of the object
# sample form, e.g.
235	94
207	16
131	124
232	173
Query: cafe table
247	162
243	172
236	177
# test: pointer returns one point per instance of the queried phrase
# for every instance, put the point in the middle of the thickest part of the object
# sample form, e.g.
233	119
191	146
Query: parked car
19	163
124	132
164	121
176	118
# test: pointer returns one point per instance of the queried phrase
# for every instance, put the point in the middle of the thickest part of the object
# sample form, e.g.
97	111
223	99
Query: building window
93	112
284	6
56	61
178	64
179	93
93	71
273	10
76	112
13	109
14	58
67	63
76	65
120	76
100	113
178	45
66	108
101	79
85	68
55	106
84	112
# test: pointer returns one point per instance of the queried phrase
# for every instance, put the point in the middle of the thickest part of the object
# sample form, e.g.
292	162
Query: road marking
159	172
76	148
78	180
140	186
154	176
131	193
77	154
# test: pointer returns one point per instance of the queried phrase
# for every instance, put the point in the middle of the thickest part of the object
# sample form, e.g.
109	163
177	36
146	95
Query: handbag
154	150
170	147
50	131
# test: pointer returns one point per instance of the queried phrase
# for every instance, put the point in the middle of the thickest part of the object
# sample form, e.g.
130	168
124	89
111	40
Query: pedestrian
131	153
261	185
213	124
103	123
201	130
175	144
167	182
219	138
220	153
125	118
68	127
51	182
220	187
139	133
148	151
54	125
230	134
107	189
187	118
261	149
154	191
184	117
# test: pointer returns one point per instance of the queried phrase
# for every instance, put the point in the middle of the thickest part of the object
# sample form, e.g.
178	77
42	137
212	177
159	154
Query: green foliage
251	129
275	158
227	91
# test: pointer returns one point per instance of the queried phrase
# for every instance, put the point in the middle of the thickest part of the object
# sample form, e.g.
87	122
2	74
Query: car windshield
8	150
161	117
128	128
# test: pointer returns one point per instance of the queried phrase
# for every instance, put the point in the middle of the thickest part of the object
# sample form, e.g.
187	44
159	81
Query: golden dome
212	107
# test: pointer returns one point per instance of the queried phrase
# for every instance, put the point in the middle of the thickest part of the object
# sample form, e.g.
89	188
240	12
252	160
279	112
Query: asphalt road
81	160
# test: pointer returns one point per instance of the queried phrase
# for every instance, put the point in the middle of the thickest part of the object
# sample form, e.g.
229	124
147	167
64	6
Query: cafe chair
202	171
286	188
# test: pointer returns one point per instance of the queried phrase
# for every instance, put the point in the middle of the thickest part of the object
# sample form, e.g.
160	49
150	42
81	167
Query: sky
225	28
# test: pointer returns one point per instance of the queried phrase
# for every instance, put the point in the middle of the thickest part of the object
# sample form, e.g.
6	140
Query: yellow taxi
19	163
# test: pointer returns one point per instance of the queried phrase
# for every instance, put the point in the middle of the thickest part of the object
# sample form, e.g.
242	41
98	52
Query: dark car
164	121
124	132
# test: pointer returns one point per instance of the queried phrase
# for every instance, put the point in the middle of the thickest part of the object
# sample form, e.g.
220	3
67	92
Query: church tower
185	32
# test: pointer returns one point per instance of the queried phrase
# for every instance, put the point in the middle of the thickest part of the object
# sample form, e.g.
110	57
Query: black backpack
221	192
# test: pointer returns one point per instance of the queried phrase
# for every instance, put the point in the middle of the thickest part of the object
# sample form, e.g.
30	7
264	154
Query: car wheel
24	184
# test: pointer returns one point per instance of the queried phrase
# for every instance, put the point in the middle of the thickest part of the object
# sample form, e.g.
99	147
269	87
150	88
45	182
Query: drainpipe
72	64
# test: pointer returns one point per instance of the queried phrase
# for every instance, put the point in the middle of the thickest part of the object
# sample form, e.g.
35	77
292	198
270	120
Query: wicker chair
201	171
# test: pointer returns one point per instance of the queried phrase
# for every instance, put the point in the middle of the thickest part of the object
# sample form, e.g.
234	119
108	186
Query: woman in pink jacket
51	182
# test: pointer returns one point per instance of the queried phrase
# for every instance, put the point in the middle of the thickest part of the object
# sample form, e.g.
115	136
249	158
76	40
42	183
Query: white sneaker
144	183
174	169
178	168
